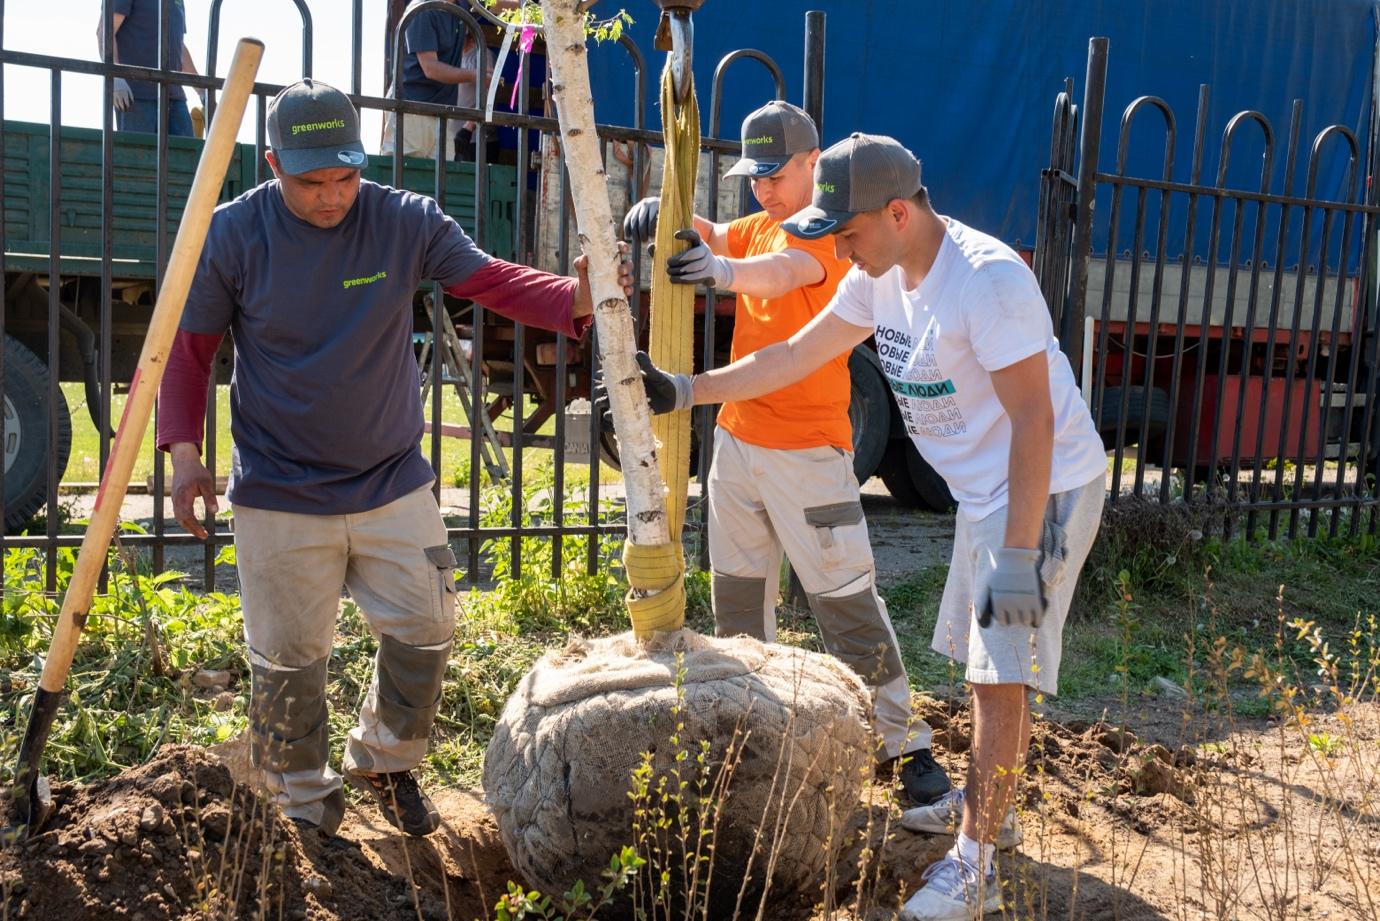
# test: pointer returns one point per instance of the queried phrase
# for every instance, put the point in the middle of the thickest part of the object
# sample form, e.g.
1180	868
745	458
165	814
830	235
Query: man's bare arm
116	20
768	370
775	274
441	72
1023	389
714	235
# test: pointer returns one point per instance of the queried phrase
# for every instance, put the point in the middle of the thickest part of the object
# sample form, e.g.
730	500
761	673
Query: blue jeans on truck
142	115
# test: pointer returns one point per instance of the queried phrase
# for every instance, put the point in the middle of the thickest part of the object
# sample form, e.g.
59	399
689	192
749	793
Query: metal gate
1240	374
86	222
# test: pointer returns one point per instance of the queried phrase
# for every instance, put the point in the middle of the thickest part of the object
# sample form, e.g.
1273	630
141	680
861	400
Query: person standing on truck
782	471
441	65
966	342
135	25
314	273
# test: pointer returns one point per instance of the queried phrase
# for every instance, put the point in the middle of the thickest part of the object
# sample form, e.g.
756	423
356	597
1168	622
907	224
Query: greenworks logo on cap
368	280
763	139
825	187
318	126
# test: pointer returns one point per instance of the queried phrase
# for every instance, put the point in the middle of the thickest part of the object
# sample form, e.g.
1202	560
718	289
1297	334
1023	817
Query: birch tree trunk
564	29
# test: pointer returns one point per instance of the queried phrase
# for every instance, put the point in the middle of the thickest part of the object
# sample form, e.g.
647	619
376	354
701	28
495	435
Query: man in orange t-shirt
782	472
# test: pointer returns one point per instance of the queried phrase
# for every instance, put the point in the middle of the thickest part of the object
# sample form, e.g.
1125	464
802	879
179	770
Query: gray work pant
399	569
805	502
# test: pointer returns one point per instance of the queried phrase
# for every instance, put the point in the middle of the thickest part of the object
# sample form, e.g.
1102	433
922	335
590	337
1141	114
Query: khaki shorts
1014	654
419	136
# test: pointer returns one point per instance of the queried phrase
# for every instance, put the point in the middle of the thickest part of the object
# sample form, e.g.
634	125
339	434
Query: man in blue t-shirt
441	54
135	25
314	274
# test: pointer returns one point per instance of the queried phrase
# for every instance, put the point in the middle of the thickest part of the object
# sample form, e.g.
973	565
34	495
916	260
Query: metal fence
1239	375
86	229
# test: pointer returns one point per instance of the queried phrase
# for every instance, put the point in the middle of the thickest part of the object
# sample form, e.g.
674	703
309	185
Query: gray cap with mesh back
311	126
860	173
771	136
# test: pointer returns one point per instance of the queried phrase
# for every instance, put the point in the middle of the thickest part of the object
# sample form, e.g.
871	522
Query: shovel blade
31	798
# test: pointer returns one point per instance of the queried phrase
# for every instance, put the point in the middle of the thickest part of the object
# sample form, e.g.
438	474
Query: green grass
1184	589
84	463
1153	589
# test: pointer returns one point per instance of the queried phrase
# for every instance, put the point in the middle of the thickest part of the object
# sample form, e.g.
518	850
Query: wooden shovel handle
143	388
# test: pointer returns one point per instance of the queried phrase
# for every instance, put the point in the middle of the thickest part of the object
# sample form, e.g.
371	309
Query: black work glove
698	265
640	221
1015	594
665	392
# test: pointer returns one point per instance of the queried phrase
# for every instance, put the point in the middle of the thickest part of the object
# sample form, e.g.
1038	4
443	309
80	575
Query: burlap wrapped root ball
558	771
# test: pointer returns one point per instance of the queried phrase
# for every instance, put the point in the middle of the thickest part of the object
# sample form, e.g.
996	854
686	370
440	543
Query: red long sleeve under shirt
522	294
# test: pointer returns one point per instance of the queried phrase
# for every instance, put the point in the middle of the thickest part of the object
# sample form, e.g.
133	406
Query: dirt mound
177	838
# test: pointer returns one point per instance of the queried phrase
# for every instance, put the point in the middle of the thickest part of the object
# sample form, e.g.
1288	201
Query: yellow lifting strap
659	569
672	341
656	572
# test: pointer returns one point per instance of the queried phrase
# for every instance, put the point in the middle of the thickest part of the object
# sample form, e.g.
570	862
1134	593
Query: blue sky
68	29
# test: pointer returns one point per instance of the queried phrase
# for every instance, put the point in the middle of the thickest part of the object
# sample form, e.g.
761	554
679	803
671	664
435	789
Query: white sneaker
945	815
953	891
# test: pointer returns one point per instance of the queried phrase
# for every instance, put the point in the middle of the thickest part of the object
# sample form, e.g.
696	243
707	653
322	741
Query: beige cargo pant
399	569
763	501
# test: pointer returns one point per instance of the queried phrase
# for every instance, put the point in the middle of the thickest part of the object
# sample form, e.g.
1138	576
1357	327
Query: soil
1119	822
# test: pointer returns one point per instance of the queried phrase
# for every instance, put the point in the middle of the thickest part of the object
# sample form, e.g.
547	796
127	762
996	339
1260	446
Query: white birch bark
564	30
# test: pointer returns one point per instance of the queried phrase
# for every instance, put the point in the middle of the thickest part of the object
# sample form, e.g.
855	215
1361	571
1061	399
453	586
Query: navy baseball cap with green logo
771	136
312	125
860	173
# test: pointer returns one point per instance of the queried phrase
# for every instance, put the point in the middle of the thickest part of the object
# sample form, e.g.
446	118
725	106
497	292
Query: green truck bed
27	181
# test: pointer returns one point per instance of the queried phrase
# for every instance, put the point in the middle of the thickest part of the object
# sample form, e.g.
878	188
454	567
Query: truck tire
896	477
27	438
911	481
869	412
608	451
1137	406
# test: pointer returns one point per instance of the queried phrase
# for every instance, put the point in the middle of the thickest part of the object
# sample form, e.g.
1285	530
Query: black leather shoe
923	780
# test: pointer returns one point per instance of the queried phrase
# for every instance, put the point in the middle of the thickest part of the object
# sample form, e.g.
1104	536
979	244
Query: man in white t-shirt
966	342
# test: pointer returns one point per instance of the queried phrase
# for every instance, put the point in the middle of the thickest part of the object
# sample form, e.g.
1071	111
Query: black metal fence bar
1181	319
1287	380
704	416
54	309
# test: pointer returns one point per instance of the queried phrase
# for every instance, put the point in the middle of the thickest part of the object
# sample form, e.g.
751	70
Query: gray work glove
665	392
1015	594
698	265
123	95
640	221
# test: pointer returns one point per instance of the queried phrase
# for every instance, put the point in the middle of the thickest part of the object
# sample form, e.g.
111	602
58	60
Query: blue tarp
970	86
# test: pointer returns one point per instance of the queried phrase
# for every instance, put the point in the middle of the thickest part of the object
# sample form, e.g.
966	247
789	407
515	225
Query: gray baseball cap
771	136
312	125
860	173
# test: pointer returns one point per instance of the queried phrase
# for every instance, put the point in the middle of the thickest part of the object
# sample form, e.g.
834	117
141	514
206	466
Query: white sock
974	854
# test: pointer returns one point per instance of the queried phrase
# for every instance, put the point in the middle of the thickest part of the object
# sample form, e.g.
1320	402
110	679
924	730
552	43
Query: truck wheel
896	476
27	438
608	451
869	412
934	492
1137	406
913	482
